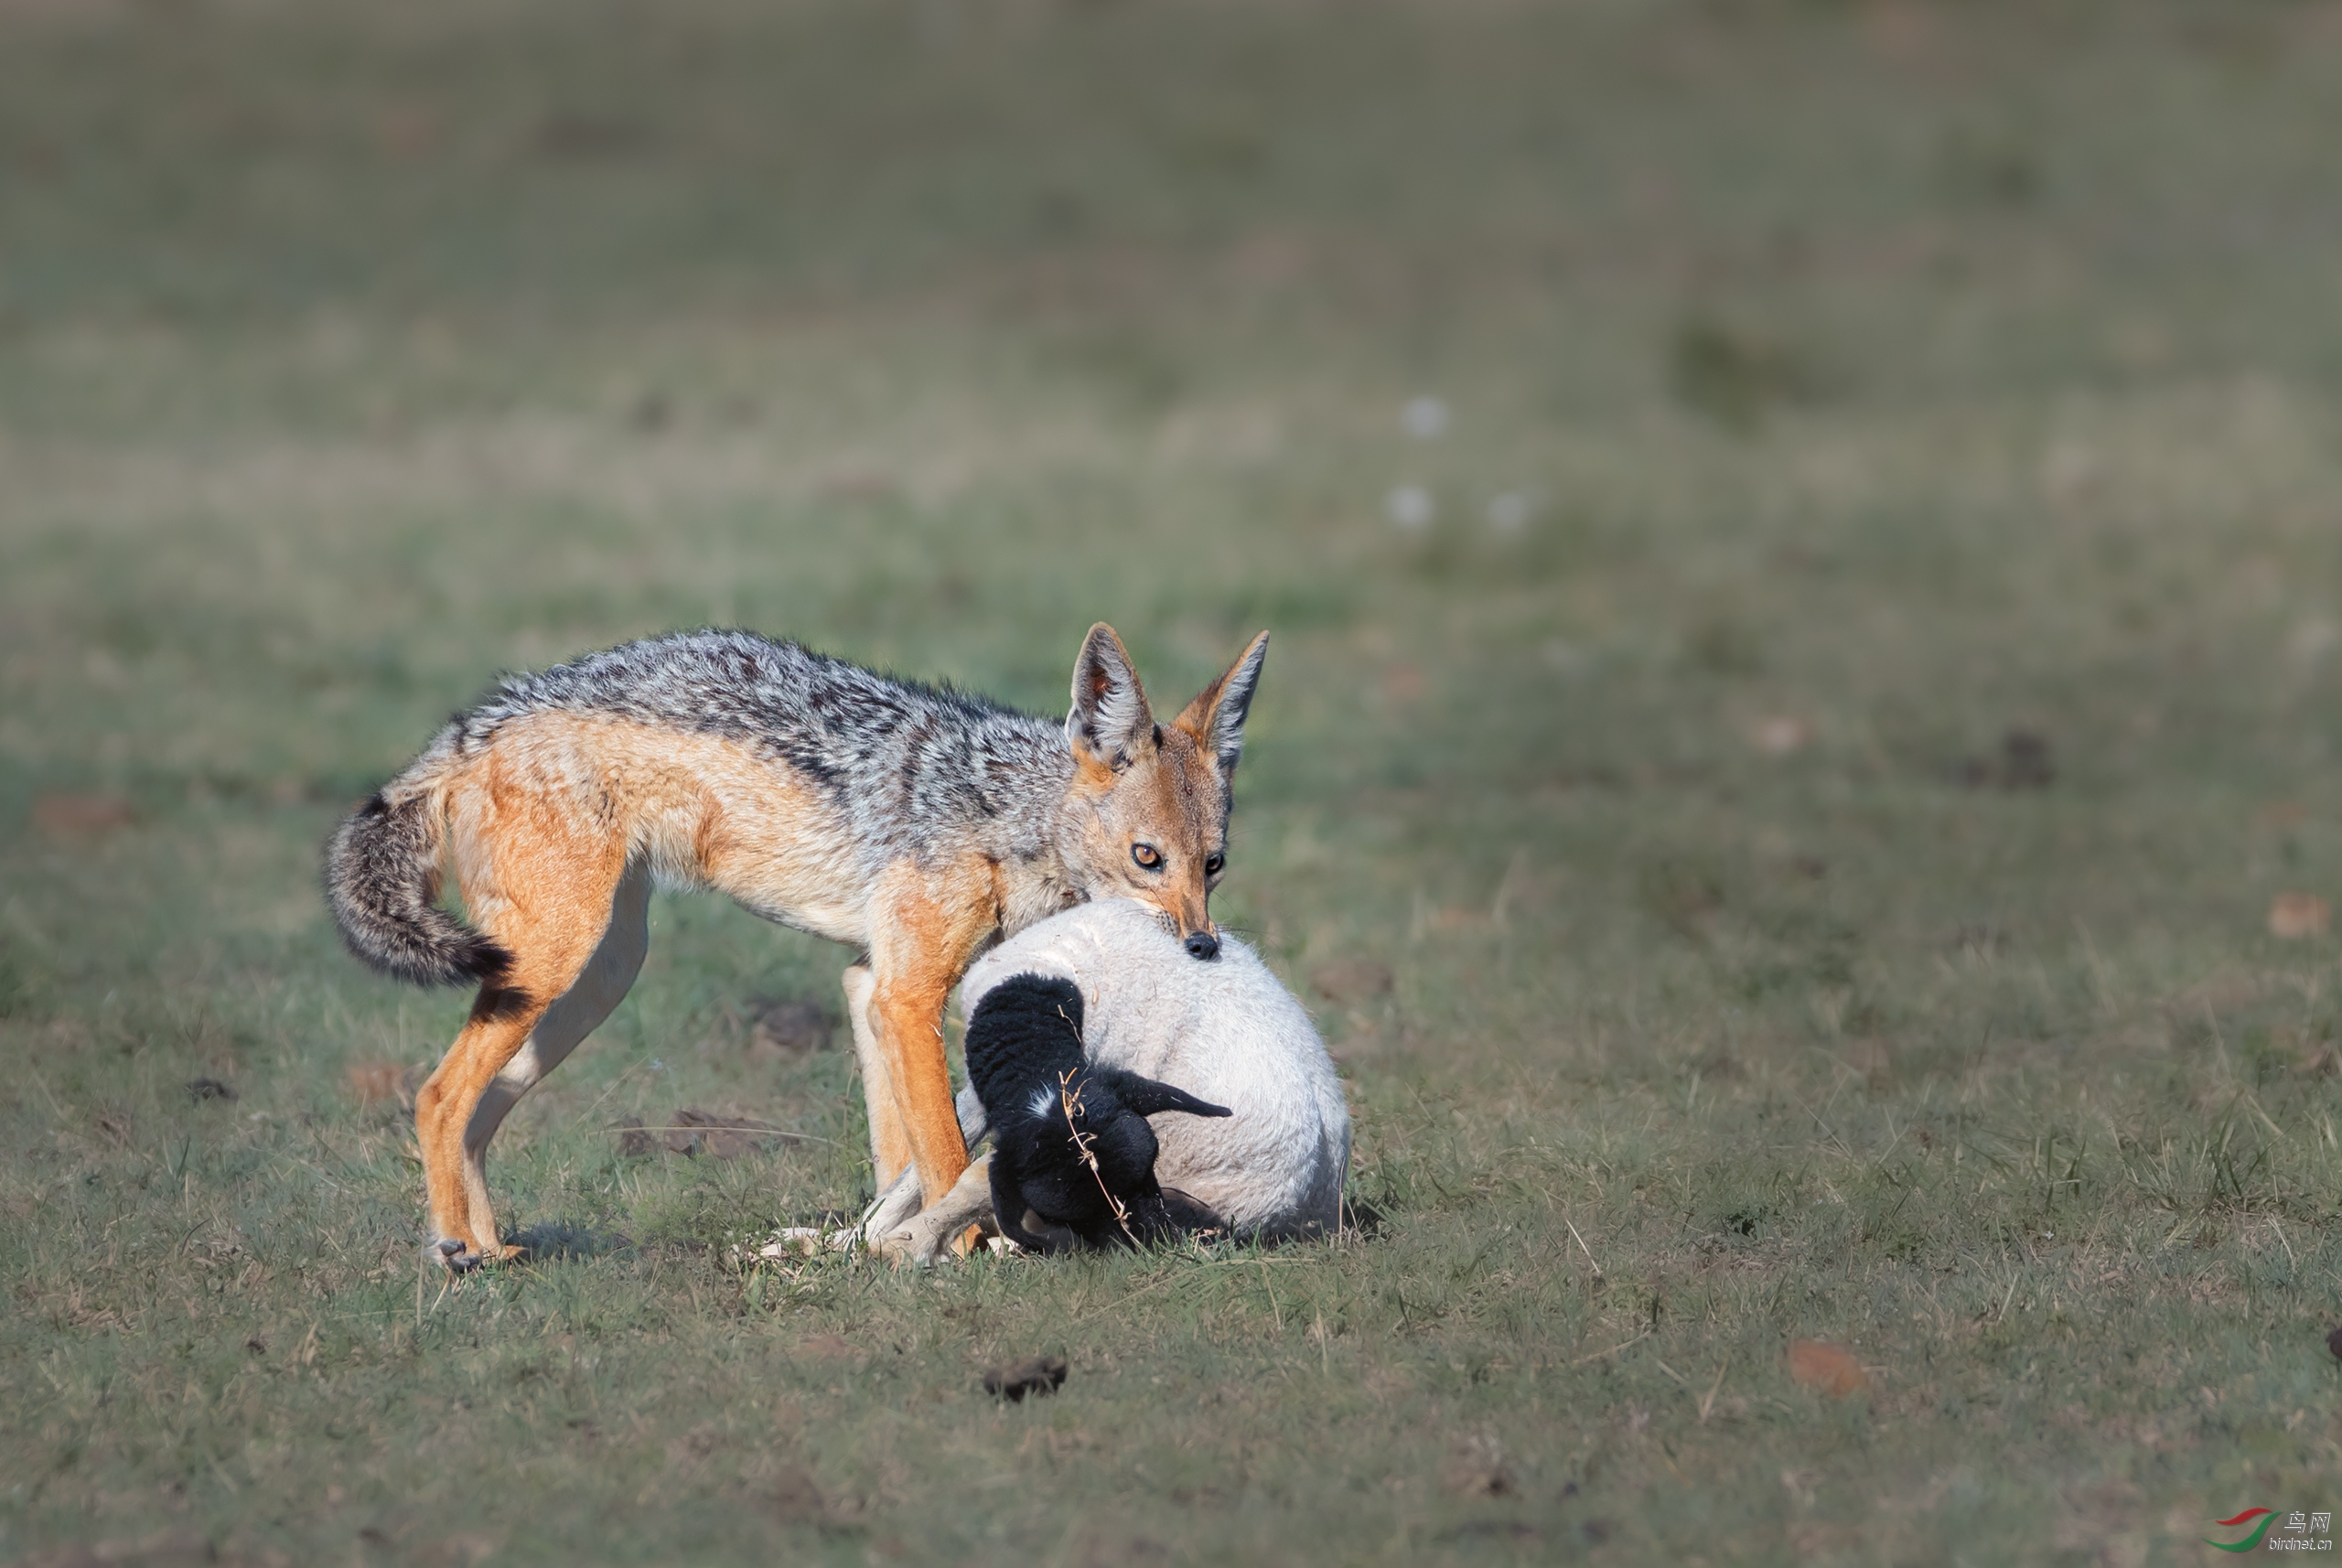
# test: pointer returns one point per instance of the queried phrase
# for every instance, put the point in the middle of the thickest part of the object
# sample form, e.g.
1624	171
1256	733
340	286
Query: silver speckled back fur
918	770
1226	1030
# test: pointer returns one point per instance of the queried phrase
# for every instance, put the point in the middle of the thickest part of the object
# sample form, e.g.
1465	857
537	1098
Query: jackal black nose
1203	944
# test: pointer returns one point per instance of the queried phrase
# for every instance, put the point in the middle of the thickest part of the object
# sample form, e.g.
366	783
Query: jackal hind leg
574	924
609	975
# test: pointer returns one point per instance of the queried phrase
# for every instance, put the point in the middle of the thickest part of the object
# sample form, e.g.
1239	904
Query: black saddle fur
1026	1061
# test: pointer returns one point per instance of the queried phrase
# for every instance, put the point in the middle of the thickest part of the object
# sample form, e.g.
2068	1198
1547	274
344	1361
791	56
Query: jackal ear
1111	720
1216	718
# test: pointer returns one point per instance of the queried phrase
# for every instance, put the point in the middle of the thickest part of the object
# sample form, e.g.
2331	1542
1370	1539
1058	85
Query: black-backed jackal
916	825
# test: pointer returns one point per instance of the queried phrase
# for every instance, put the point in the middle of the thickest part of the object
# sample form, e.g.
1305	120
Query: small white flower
1424	418
1781	734
1411	509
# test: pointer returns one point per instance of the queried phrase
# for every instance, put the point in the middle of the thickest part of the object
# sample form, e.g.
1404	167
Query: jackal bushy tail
381	877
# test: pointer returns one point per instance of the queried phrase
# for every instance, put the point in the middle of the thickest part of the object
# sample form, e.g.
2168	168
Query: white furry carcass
1225	1029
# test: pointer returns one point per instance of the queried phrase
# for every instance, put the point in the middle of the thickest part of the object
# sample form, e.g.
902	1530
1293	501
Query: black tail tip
470	960
481	961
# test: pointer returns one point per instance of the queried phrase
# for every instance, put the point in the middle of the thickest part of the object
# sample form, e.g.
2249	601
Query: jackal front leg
890	1146
925	926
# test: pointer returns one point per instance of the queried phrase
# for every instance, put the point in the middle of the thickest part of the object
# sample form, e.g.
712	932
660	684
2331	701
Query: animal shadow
558	1240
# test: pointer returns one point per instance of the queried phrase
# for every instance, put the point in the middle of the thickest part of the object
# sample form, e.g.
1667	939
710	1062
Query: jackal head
1147	815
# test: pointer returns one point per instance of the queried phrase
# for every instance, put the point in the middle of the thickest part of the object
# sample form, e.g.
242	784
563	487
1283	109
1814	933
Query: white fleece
1223	1029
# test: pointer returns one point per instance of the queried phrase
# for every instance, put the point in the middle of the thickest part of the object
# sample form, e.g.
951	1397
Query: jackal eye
1148	857
1213	863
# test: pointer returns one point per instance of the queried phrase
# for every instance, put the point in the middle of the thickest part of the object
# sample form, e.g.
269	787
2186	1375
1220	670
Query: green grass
1889	379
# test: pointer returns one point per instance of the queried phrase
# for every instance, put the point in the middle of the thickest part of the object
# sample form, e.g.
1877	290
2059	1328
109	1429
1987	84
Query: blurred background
1663	436
1800	535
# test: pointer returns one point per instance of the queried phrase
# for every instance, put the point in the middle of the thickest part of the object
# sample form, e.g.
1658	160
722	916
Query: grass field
1815	772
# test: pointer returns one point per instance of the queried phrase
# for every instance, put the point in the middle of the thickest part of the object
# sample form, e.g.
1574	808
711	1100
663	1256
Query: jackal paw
929	1238
921	1246
459	1257
895	1247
